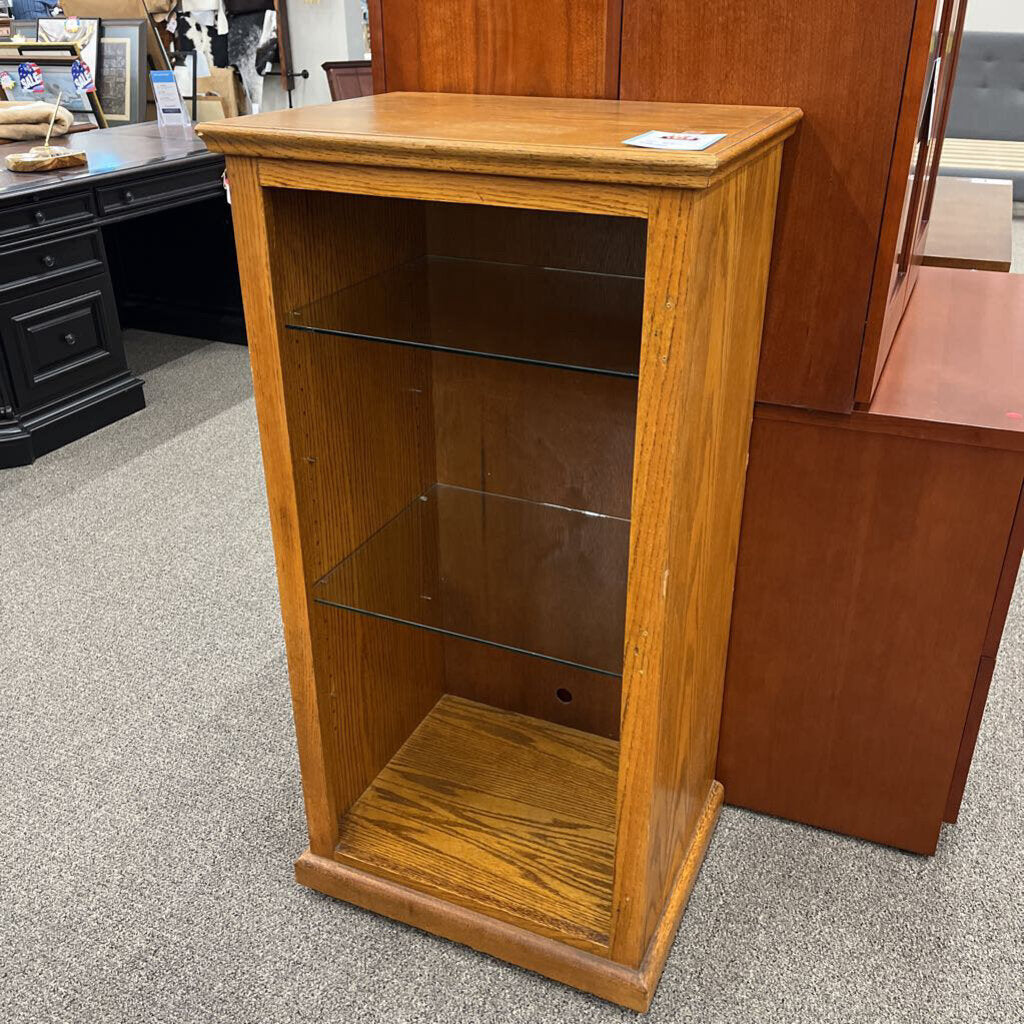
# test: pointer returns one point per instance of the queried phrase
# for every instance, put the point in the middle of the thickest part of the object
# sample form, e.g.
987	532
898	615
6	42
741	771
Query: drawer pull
70	339
129	196
49	261
40	217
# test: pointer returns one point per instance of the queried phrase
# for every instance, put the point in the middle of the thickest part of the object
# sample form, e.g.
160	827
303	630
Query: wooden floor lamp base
628	986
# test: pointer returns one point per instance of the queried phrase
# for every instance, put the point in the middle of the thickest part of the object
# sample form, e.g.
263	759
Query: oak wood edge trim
457	187
865	421
631	166
627	986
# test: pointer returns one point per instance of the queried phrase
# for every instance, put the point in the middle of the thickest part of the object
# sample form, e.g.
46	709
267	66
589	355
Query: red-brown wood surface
520	47
844	65
867	570
958	357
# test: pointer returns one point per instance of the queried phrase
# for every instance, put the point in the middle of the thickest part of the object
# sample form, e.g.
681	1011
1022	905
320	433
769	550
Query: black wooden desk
142	237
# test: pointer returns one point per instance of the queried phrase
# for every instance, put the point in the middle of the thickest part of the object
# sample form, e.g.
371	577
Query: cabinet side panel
864	587
529	48
339	461
844	65
707	273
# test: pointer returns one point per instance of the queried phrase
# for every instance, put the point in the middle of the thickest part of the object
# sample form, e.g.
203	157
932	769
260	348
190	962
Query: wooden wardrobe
848	641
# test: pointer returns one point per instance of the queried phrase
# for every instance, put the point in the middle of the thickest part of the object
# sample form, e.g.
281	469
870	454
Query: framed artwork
27	78
83	31
121	78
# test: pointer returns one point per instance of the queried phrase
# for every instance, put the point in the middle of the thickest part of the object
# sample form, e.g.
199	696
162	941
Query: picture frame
57	78
122	69
86	34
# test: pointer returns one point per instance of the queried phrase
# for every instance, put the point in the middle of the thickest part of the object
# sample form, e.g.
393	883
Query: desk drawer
62	340
46	214
160	189
42	263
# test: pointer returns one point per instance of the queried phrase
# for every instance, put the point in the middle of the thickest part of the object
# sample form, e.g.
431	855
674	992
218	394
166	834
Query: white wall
995	16
328	30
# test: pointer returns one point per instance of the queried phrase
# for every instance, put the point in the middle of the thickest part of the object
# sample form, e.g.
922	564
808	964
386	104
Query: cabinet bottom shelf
506	815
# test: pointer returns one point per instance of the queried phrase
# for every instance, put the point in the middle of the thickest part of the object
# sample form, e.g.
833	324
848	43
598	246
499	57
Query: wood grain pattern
863	594
492	190
957	360
971	224
630	987
318	466
811	54
528	48
579	140
935	47
707	260
497	812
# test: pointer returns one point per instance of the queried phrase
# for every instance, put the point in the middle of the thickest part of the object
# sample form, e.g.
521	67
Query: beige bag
30	120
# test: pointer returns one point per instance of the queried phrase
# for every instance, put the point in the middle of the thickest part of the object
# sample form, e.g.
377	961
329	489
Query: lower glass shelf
538	579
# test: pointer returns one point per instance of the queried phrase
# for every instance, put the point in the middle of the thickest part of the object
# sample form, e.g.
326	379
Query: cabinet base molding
27	436
633	987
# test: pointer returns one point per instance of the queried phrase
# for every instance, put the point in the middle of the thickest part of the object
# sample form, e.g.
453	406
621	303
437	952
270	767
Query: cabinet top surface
958	357
519	135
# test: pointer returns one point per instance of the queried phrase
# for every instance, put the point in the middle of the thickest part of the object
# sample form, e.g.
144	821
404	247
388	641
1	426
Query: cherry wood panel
844	64
865	582
532	137
958	360
975	711
497	812
523	47
707	268
927	91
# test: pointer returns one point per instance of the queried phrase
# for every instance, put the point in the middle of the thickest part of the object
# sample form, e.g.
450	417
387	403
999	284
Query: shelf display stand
504	368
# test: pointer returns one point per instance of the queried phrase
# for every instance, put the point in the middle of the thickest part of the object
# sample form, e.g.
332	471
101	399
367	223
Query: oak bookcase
504	368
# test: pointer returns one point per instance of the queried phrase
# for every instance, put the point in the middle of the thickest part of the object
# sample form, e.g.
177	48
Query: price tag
684	141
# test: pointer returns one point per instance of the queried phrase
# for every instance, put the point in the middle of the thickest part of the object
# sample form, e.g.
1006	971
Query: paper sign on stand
170	111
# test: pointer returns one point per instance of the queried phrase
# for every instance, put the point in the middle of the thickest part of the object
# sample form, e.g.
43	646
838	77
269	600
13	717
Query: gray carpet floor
151	804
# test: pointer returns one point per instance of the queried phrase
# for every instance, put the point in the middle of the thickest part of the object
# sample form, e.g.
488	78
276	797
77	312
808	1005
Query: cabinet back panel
598	244
527	48
844	65
534	432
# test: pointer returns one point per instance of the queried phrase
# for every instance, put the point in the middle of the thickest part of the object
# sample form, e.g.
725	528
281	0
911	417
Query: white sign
687	141
170	111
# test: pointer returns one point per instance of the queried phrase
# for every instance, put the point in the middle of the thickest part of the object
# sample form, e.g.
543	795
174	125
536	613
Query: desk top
112	151
958	356
524	136
971	224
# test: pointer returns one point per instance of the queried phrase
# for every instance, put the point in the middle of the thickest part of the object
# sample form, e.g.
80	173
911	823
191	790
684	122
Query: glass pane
535	578
561	318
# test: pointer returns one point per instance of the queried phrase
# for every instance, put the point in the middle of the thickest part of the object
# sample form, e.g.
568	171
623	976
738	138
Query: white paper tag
689	141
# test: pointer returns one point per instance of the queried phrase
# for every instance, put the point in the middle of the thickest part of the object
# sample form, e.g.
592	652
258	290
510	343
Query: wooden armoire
879	545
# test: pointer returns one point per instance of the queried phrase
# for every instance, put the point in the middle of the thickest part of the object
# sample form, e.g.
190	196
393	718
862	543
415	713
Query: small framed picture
29	77
121	77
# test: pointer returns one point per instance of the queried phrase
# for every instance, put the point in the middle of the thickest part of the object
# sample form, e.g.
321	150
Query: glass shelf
521	575
552	317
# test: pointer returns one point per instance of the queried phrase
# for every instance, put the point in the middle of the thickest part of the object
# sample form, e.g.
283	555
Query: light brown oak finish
353	431
508	815
578	140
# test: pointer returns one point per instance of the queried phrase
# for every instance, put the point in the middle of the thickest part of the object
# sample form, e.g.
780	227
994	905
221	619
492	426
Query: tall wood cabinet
846	562
504	369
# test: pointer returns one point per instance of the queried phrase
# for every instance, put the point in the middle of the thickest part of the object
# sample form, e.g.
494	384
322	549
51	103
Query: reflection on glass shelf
560	318
534	578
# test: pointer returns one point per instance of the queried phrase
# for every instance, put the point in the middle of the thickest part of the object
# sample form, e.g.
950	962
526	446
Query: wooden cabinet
876	564
504	378
527	48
